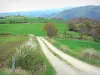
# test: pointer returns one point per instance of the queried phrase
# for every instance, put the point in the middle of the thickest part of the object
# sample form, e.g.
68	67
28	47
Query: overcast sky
25	5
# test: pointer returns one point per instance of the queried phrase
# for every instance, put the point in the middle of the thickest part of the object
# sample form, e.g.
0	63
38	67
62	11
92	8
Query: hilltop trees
85	26
95	31
74	24
82	29
51	29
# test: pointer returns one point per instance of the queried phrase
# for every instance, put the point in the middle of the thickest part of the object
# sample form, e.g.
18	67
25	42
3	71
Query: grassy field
32	28
78	44
76	48
7	47
34	61
21	19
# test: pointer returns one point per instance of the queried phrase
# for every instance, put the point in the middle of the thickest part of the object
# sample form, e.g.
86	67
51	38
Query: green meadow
31	28
76	49
19	27
22	19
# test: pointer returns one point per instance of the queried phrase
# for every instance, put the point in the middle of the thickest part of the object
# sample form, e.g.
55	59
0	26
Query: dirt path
60	66
90	69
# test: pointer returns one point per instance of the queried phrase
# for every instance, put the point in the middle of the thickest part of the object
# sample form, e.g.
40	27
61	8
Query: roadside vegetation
19	71
28	57
80	39
8	43
85	51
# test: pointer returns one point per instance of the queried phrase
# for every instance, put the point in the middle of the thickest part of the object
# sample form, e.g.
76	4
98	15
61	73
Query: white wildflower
27	46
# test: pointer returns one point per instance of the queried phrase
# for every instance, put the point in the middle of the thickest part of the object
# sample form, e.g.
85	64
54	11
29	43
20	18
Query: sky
25	5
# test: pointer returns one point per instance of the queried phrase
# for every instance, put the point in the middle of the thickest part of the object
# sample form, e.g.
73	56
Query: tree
50	29
94	34
2	17
71	26
95	31
89	24
64	33
83	30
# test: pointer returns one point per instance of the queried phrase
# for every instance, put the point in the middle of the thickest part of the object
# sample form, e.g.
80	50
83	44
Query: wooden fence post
13	64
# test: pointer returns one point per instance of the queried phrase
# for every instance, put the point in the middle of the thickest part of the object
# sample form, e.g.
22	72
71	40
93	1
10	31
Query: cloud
23	5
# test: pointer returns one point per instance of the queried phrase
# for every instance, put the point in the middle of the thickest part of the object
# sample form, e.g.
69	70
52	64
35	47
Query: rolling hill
45	13
92	12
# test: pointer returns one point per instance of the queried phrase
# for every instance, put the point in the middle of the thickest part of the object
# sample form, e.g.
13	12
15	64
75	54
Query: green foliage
91	53
22	28
77	49
78	44
22	19
7	47
85	26
32	62
51	29
96	33
28	56
71	34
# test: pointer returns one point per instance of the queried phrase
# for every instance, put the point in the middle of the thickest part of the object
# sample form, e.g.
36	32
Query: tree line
83	26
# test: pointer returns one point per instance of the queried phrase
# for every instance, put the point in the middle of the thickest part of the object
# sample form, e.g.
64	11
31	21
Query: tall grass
28	56
7	47
28	46
91	53
6	71
85	51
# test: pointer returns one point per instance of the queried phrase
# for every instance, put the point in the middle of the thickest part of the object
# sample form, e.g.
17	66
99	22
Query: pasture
31	28
22	19
77	48
36	62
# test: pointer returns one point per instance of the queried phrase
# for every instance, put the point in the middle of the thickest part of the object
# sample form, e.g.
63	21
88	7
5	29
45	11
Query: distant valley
67	13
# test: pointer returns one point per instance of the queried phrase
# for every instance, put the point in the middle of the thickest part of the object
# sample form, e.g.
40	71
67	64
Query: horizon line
49	8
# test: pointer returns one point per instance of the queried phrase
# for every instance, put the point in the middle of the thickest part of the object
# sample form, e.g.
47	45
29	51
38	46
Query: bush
5	34
28	56
72	34
50	29
91	54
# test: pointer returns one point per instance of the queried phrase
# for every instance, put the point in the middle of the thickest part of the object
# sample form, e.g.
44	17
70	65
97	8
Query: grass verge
28	56
76	48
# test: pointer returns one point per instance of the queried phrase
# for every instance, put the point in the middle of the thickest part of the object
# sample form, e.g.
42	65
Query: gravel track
60	66
82	66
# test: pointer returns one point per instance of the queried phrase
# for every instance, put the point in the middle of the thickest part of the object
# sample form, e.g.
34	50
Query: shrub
50	29
91	53
28	56
5	34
